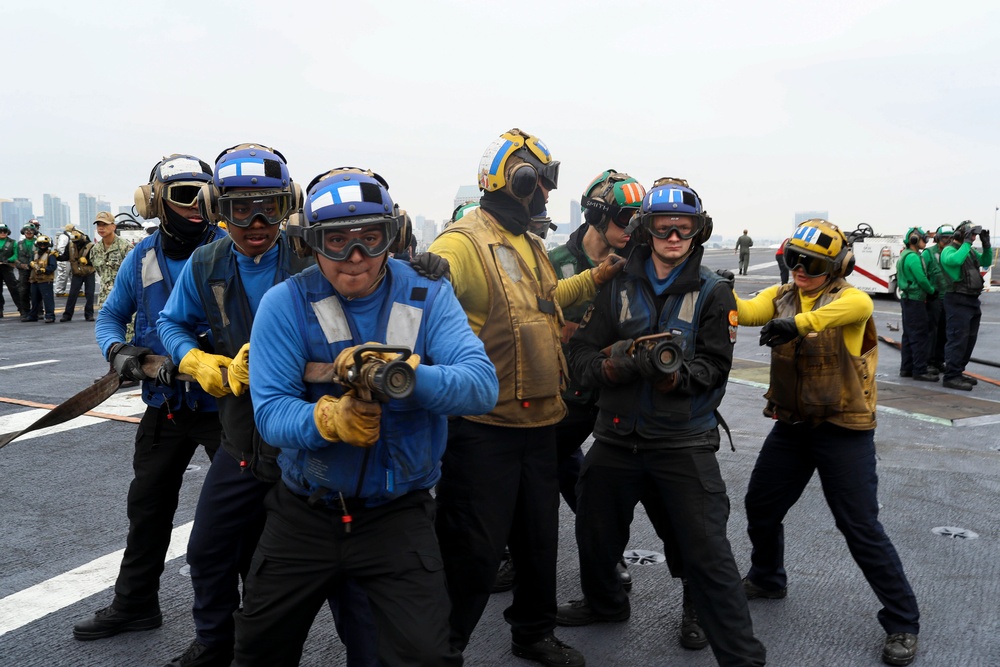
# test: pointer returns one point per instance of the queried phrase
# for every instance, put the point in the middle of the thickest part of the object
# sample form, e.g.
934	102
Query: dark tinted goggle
184	195
549	174
241	208
814	267
623	217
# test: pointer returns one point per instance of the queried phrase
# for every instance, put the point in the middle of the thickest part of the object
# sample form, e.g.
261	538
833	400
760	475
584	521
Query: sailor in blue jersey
354	498
223	284
179	416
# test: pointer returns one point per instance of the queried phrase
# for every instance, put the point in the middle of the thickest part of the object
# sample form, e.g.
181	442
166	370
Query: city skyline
878	111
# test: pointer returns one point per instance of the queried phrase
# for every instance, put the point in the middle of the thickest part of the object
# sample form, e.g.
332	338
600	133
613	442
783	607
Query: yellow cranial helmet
514	163
820	248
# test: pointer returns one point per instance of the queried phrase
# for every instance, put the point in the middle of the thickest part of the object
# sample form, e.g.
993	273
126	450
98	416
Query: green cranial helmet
611	197
944	232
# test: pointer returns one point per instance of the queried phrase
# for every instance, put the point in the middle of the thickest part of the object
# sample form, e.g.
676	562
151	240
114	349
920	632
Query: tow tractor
875	259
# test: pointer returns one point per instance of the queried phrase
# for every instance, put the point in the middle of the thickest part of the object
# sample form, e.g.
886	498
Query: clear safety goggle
339	244
814	267
241	208
184	195
684	227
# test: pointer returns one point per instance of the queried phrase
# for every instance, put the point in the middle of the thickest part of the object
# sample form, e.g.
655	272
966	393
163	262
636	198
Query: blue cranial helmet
347	200
251	181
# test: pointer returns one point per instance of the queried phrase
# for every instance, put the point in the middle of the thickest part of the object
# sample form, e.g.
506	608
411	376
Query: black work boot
549	651
199	655
692	636
900	649
579	612
622	569
753	591
505	574
109	621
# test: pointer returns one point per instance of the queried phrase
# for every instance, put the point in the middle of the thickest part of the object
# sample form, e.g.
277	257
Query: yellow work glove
348	419
83	261
239	371
206	369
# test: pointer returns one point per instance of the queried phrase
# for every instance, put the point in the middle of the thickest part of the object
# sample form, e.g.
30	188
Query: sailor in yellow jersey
498	476
822	398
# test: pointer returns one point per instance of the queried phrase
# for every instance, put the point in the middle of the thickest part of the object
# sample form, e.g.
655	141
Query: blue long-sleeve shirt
121	305
454	378
184	309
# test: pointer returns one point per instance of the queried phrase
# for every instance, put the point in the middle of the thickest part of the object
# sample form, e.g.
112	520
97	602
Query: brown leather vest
522	327
815	379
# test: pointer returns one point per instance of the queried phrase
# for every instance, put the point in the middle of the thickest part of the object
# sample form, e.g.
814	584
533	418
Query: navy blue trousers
915	347
684	486
305	555
42	300
962	314
499	486
937	325
845	460
227	525
87	282
163	450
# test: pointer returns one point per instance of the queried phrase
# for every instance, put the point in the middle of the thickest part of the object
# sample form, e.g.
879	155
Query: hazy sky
878	111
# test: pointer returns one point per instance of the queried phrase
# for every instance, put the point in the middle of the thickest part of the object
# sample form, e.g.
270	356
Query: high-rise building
101	206
88	209
575	216
465	194
15	212
56	214
802	216
425	230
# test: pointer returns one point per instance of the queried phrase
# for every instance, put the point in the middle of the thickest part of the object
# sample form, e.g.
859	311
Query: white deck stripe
30	363
31	604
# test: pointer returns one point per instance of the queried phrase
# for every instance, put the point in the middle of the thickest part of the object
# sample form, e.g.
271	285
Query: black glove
167	373
779	331
984	238
127	361
620	367
431	266
727	275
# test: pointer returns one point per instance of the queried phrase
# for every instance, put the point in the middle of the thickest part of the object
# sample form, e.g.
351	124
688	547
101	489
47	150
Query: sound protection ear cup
205	202
706	230
143	198
292	232
913	240
298	197
849	264
405	235
523	180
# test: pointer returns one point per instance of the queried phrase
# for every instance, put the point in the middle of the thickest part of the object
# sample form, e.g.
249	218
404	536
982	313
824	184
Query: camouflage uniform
107	260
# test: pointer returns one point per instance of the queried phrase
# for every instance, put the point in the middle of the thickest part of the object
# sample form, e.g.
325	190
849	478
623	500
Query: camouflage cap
104	218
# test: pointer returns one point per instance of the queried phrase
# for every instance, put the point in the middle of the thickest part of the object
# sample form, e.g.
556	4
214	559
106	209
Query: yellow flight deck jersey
828	374
470	284
850	312
518	317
